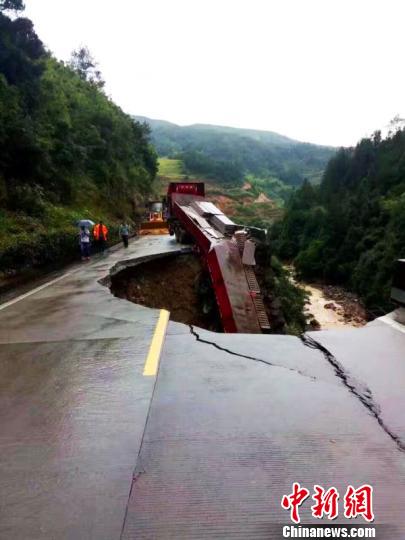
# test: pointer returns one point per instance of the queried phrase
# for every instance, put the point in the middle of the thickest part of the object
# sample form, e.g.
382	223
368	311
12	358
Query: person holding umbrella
85	243
84	238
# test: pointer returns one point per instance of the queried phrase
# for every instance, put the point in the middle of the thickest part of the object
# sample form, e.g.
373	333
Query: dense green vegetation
351	228
227	155
272	187
66	150
285	302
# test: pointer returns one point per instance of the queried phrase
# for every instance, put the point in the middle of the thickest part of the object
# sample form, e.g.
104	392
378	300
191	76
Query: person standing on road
124	233
101	235
85	243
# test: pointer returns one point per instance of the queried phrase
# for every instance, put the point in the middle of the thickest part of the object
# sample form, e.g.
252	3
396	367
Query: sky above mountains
322	71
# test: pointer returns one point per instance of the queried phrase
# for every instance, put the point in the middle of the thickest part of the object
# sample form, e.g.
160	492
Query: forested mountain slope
229	155
351	228
66	150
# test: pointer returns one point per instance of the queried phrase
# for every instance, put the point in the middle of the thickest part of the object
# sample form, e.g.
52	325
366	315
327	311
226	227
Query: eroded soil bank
177	283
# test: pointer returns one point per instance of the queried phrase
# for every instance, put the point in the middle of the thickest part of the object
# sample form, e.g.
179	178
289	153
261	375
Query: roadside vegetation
66	150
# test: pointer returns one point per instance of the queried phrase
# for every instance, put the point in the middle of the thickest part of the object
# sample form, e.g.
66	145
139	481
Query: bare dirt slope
172	283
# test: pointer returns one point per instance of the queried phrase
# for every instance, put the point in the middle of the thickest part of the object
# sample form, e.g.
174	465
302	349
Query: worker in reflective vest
100	233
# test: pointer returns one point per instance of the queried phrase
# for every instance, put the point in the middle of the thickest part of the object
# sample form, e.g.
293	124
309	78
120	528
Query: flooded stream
330	306
333	307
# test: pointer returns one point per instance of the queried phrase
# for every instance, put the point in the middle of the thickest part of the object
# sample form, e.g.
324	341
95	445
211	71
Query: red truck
222	245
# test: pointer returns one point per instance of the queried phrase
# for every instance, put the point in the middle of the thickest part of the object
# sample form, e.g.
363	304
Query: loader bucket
154	227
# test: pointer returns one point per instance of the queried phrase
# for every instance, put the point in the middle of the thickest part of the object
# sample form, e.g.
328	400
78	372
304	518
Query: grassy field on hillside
171	168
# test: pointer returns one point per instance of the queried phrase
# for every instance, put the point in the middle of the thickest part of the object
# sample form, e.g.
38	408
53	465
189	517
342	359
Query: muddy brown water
330	307
330	313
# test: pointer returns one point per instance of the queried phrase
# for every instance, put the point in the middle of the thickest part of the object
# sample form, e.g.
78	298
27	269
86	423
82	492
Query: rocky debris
350	306
334	301
313	323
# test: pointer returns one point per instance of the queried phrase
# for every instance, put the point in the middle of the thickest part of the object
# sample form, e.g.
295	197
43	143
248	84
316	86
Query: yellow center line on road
155	350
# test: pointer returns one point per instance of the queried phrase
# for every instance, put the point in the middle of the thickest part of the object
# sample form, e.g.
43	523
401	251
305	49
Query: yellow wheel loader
155	222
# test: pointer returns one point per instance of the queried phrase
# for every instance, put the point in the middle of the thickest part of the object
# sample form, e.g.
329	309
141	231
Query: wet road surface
92	449
229	432
73	404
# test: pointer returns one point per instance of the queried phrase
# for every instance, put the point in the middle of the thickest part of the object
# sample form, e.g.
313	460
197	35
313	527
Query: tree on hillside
66	149
83	63
12	5
351	228
21	52
396	124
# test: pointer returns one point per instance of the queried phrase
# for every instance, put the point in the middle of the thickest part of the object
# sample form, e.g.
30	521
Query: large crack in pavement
355	387
245	356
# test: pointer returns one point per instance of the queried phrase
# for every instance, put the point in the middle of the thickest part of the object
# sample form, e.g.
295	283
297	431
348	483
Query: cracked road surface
92	449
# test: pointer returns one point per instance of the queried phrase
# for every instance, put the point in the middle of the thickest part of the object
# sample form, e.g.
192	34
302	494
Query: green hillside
351	228
66	150
228	155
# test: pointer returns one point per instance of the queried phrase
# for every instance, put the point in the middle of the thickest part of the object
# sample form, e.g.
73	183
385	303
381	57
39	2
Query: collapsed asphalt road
91	448
177	283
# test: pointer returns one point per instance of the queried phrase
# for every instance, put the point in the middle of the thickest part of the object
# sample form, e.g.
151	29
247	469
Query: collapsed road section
214	287
175	282
91	448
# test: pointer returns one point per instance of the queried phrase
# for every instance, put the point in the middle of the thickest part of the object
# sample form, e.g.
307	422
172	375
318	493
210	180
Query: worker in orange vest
100	233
